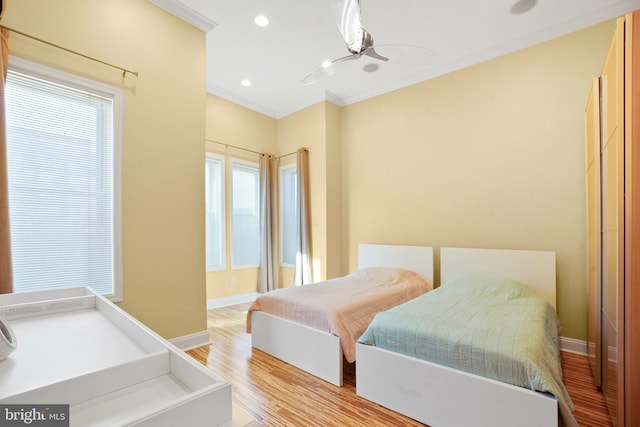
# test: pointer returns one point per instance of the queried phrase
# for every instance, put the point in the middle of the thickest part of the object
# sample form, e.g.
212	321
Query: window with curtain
214	217
288	214
63	143
245	214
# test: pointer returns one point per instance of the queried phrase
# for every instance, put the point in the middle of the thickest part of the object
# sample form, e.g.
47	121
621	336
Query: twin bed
319	351
448	389
455	382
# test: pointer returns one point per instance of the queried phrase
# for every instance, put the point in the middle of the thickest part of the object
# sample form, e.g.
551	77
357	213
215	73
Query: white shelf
77	348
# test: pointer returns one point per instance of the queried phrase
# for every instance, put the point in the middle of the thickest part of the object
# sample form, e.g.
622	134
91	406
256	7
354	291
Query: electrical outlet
232	282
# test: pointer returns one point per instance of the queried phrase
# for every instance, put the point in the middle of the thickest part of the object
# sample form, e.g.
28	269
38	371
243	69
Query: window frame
246	163
223	192
56	76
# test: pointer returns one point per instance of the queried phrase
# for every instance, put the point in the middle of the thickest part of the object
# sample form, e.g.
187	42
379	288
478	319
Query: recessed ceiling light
261	21
522	6
326	64
245	83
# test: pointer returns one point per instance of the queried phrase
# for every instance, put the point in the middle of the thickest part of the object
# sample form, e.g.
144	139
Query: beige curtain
268	274
6	276
303	271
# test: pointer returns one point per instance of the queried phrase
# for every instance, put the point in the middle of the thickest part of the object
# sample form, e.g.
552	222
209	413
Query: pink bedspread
344	306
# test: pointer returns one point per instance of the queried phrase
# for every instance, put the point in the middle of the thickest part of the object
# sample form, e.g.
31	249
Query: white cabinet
76	347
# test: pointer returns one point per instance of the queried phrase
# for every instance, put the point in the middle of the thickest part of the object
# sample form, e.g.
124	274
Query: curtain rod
124	70
286	155
246	149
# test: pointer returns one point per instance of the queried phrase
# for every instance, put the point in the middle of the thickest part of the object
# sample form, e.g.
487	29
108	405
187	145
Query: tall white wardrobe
612	125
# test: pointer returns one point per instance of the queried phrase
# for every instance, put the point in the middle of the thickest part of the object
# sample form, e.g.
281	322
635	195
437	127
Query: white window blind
60	155
245	220
288	214
214	205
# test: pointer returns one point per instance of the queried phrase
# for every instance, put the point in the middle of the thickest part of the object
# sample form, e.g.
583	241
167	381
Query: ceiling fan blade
347	14
370	51
415	56
323	72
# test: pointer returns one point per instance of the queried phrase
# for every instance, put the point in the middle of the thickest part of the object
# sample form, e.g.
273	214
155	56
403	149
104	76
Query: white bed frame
440	396
319	352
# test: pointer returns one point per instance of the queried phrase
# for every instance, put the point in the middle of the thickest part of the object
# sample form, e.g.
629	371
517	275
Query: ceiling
302	34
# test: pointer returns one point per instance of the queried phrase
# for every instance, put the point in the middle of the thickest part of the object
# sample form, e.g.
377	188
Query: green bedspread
492	327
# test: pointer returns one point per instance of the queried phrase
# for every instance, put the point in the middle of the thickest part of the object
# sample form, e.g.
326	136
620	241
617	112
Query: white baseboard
232	300
192	341
200	339
573	346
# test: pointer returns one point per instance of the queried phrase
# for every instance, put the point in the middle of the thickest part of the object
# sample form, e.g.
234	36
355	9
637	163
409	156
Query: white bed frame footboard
443	397
319	352
309	349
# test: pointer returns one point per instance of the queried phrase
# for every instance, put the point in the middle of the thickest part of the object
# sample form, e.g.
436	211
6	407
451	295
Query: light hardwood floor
278	394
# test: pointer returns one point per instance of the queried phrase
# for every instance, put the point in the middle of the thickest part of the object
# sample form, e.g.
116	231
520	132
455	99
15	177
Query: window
288	214
245	213
214	217
63	139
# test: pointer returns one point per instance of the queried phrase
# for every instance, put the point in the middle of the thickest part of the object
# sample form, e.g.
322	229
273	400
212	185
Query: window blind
214	214
60	154
288	215
245	219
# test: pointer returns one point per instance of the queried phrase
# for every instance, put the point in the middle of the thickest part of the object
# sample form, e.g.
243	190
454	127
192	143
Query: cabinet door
612	187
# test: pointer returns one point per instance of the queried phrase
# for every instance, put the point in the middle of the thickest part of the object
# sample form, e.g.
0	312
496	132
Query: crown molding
244	102
186	14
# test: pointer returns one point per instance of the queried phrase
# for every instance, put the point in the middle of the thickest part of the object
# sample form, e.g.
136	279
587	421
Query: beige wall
335	260
489	156
229	123
163	147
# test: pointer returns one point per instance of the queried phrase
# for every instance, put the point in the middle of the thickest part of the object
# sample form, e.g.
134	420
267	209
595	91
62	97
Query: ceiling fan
359	41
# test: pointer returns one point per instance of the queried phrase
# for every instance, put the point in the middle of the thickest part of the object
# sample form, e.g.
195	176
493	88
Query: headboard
416	258
535	269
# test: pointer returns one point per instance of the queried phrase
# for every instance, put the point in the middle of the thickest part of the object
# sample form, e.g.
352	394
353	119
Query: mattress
343	306
492	327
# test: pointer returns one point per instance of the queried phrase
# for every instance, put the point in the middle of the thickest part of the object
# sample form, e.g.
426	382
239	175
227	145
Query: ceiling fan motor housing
364	42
